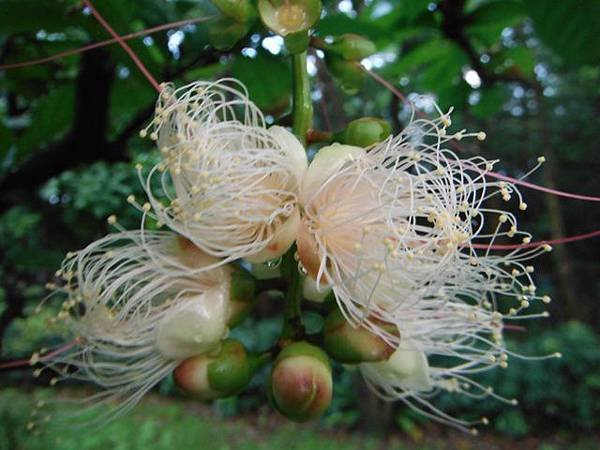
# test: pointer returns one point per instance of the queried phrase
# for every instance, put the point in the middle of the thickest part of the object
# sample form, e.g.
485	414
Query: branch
454	25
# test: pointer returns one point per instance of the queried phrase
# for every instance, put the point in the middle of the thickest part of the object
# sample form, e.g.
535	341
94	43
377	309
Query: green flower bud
226	32
348	73
238	10
352	47
208	377
241	296
366	131
350	345
301	384
285	17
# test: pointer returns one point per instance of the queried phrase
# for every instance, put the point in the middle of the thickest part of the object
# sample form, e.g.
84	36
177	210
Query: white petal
326	163
294	150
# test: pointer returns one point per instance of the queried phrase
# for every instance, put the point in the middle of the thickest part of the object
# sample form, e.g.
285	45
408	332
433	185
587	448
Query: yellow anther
529	269
503	218
481	136
522	206
526	240
112	219
546	299
541	159
130	198
147	207
143	133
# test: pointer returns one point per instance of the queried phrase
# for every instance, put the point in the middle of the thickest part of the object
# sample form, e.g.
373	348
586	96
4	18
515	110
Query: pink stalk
123	44
88	47
27	362
563	240
527	184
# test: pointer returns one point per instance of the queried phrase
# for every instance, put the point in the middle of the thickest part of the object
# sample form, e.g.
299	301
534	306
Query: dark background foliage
524	71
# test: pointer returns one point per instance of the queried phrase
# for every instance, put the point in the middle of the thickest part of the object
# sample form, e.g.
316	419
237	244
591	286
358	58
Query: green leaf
520	58
51	116
428	52
568	28
6	141
21	16
488	21
267	78
491	101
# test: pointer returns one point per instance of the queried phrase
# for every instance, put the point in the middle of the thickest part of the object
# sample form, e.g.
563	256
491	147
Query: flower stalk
302	112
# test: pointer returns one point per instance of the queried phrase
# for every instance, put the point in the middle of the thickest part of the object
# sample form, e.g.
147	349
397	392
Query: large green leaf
492	100
267	78
488	20
570	28
21	16
51	116
428	52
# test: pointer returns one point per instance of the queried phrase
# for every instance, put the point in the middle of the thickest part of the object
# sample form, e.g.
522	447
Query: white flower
403	222
228	183
136	307
440	351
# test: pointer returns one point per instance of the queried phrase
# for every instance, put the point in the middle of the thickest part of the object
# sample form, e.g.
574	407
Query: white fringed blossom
440	351
227	183
135	308
405	221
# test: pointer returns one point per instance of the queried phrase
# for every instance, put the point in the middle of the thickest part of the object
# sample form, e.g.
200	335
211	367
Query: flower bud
208	377
289	16
241	296
352	47
407	367
196	325
301	384
351	345
226	32
366	131
348	73
238	10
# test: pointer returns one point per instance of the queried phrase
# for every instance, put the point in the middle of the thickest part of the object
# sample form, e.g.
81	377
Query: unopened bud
226	32
285	17
301	384
210	377
366	131
238	10
352	47
350	345
348	73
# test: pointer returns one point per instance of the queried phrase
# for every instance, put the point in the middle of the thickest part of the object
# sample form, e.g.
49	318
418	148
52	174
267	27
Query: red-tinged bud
350	345
301	384
286	17
366	131
352	47
208	377
192	256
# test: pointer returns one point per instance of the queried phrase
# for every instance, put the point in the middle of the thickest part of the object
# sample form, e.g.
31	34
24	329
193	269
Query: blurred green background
525	71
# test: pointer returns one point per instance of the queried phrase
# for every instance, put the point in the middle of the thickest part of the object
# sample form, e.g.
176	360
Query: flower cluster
402	232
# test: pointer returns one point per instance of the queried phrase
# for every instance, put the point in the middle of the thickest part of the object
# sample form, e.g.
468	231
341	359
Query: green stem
302	112
292	325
